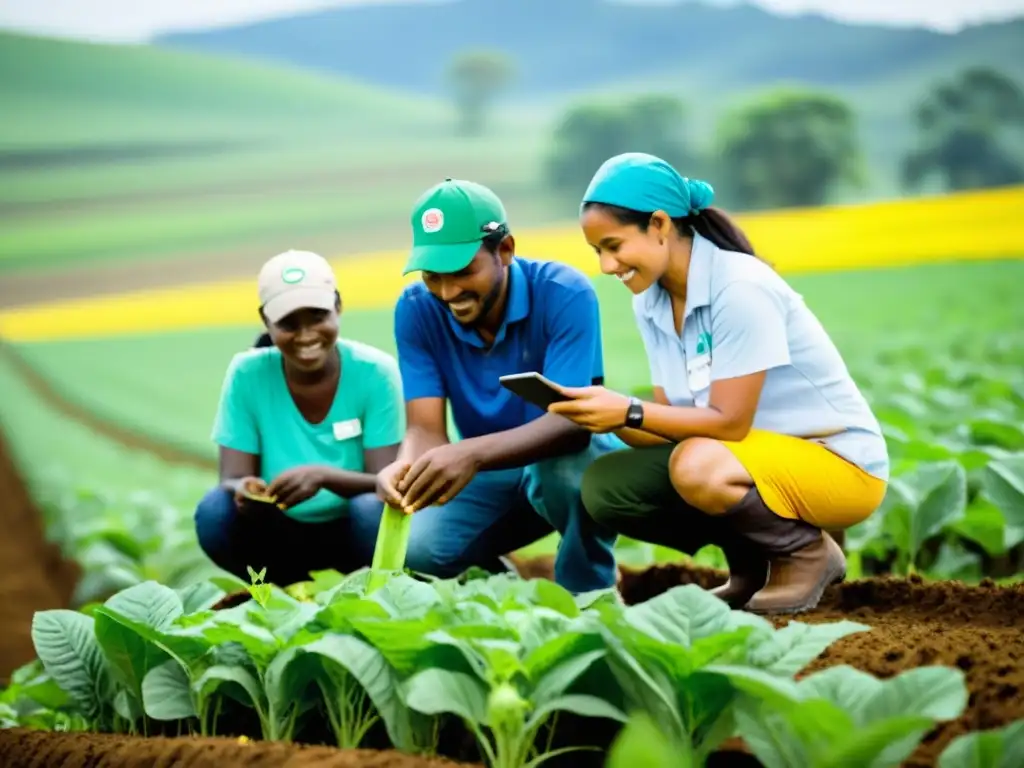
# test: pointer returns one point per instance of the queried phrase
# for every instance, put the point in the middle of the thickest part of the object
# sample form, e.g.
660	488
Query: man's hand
387	483
438	476
295	485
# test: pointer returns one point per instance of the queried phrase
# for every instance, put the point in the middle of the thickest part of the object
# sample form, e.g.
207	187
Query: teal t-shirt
258	415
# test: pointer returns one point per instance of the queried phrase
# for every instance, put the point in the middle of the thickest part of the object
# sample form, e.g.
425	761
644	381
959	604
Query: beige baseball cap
295	280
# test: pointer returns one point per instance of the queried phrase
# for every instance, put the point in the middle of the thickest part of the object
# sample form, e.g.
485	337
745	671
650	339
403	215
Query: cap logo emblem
432	220
293	275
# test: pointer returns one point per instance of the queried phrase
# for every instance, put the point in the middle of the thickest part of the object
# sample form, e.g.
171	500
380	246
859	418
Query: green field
918	321
122	155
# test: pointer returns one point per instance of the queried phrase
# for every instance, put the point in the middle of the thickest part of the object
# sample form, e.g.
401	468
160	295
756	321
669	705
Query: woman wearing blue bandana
758	440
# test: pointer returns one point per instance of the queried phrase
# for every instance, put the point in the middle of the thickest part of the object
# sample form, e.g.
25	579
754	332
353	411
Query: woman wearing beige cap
303	426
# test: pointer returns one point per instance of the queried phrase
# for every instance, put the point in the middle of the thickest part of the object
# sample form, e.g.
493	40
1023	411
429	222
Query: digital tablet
533	388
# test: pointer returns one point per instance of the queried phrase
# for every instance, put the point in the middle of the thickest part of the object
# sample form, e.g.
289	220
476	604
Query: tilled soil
34	749
914	623
33	575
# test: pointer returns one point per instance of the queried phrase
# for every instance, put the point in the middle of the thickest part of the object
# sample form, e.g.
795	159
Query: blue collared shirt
742	318
552	325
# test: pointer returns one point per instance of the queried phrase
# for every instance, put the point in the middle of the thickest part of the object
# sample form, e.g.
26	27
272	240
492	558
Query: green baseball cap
448	223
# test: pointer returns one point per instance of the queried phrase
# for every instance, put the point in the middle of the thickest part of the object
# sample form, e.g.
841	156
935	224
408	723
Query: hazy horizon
129	21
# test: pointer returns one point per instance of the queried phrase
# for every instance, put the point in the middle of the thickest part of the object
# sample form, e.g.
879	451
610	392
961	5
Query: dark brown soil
34	749
33	575
979	629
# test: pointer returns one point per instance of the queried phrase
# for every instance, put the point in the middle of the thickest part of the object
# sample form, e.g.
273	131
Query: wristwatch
635	413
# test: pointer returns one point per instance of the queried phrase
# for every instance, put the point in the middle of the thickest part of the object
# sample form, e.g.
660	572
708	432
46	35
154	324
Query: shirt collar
656	304
516	310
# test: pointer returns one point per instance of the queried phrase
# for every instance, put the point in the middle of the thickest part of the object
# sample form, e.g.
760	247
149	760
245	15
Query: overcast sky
133	20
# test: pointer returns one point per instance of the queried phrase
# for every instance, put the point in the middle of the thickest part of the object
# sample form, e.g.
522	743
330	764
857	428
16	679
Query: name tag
346	430
698	374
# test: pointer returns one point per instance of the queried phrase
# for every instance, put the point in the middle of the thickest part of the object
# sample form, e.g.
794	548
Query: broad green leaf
1000	433
66	644
200	596
559	679
994	748
939	492
166	693
405	597
1003	482
681	615
786	739
650	689
880	744
400	640
237	682
438	691
640	744
578	704
955	561
936	692
787	651
373	674
131	655
984	524
778	691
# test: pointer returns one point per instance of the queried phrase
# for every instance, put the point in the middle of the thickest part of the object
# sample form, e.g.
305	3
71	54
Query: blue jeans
289	549
501	511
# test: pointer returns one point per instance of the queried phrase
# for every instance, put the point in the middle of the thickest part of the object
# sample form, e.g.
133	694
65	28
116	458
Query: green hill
59	93
562	47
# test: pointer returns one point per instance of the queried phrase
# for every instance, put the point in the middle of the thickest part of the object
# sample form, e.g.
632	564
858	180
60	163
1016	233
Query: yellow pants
800	479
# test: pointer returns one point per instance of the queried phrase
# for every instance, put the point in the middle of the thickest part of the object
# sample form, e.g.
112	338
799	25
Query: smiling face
306	337
637	255
472	293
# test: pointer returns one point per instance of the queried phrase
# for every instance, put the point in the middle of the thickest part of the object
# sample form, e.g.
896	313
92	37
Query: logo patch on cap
432	220
293	275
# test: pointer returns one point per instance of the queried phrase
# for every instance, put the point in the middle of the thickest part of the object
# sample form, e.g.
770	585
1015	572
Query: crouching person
307	421
481	312
759	440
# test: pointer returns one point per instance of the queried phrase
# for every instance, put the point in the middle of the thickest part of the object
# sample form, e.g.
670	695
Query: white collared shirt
742	318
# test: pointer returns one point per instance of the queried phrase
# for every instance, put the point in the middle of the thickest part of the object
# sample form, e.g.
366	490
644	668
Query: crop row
523	667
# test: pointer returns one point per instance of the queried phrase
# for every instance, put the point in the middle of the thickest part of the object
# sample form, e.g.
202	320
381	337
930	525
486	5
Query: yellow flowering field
977	225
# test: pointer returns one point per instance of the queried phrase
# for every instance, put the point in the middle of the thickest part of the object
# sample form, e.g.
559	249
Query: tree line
785	147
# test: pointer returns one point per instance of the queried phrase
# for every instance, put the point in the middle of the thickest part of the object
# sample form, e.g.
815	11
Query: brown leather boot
748	572
803	559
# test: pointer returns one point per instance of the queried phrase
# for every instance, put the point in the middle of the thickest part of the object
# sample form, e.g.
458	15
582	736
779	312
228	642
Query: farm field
124	417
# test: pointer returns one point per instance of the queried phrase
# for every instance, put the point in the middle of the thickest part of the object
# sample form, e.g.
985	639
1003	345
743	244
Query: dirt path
33	575
140	441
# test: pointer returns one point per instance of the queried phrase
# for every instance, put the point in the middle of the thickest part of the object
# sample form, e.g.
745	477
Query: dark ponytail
711	223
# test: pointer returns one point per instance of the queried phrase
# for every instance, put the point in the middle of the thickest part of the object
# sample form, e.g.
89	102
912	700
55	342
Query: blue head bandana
643	182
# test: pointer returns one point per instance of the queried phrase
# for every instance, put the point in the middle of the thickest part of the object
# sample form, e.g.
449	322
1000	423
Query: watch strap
635	413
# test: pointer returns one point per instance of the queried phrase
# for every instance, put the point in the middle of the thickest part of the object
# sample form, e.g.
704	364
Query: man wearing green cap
479	313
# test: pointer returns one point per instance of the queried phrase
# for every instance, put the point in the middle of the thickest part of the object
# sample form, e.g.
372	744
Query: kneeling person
308	420
479	313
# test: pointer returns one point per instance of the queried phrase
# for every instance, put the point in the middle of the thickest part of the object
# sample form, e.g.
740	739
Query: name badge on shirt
346	430
698	373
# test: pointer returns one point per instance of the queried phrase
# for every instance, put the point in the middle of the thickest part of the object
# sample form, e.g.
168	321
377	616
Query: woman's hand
596	409
246	488
295	485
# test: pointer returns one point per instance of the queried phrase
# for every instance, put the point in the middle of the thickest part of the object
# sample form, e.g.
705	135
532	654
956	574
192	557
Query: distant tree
788	148
477	78
965	127
591	132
